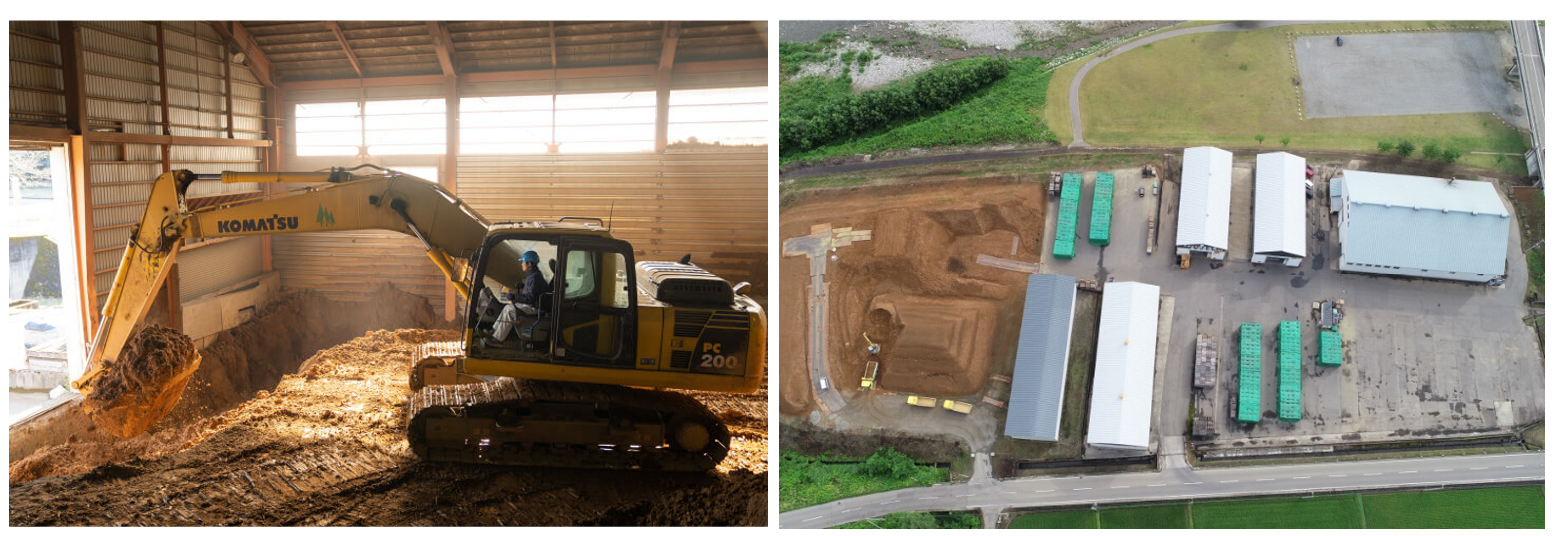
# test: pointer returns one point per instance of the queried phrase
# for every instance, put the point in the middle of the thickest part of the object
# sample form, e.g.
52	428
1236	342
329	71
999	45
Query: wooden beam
25	132
442	45
552	42
335	28
227	91
721	66
756	64
561	74
159	139
81	204
162	91
668	54
74	71
237	37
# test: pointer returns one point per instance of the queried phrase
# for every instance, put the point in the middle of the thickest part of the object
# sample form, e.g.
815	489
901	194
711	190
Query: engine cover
682	284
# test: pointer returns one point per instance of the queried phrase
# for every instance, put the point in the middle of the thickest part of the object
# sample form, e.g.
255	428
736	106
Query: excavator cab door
593	302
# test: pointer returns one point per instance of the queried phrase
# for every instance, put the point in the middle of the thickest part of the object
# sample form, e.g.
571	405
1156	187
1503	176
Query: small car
1141	192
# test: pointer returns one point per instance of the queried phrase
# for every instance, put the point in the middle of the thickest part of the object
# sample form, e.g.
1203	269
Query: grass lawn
1011	110
919	520
1324	512
1515	507
1225	88
806	481
1061	519
1167	516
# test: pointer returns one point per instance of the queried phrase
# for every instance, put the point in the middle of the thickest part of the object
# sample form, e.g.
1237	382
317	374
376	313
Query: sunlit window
585	123
328	129
376	128
727	116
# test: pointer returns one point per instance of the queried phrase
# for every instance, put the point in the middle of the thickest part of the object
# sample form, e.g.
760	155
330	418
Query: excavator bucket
144	383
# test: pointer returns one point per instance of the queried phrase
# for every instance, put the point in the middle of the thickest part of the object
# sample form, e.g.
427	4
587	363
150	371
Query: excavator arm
447	227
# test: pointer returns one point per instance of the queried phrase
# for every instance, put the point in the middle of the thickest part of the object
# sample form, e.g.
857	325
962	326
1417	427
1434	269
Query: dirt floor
262	437
915	287
326	447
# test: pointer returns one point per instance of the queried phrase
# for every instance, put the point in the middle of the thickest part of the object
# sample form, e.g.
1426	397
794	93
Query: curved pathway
1077	81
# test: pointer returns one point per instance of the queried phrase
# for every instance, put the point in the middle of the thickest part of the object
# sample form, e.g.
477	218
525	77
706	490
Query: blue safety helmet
531	257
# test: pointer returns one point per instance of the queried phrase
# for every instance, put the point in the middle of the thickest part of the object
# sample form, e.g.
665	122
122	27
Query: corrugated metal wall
346	265
713	205
208	268
123	94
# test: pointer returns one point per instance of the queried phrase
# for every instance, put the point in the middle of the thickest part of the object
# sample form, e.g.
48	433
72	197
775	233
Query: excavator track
513	421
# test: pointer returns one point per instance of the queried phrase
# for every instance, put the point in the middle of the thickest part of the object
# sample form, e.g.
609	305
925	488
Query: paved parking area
1421	357
1408	74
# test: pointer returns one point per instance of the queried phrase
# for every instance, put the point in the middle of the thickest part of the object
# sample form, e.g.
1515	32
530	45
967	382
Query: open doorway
43	321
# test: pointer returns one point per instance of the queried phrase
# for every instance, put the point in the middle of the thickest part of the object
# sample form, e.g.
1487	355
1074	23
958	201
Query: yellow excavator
583	379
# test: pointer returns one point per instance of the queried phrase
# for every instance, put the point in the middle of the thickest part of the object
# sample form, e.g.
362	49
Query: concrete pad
1408	74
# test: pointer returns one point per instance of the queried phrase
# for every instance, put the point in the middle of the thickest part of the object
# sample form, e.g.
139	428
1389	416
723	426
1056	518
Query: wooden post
74	77
450	170
227	88
668	52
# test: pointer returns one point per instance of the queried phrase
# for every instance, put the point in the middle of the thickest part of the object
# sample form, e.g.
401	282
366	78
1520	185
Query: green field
1168	516
919	520
1225	88
1508	507
1010	110
1520	507
806	480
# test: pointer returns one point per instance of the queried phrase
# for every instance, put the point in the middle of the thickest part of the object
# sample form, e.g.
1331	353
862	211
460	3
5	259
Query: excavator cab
586	314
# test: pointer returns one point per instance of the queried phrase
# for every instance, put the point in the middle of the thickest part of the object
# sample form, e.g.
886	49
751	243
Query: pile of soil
326	447
143	383
237	365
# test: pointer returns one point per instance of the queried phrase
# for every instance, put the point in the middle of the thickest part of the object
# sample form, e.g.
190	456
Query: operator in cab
526	302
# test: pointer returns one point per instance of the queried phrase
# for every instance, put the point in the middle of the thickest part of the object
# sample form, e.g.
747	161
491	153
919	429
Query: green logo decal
325	218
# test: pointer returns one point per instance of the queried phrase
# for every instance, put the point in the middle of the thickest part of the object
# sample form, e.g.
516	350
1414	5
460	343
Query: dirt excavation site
913	287
296	418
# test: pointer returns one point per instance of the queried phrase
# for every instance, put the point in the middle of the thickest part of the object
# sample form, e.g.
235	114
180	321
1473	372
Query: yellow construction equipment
869	380
958	406
579	383
922	401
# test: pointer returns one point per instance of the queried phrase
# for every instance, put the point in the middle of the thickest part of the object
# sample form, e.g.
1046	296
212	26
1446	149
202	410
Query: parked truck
922	401
954	405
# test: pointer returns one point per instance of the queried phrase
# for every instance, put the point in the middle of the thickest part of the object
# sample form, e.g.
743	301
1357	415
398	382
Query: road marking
1045	491
1406	472
849	510
1335	476
1265	479
1189	483
890	502
1009	493
1514	466
1081	489
1478	468
1441	470
1227	481
1300	477
811	518
1155	485
969	495
1119	487
929	498
1371	474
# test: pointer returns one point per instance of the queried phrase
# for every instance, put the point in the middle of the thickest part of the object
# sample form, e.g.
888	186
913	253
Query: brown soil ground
326	447
925	239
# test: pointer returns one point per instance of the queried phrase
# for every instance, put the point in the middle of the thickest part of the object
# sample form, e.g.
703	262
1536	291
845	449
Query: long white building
1422	227
1121	410
1278	231
1206	174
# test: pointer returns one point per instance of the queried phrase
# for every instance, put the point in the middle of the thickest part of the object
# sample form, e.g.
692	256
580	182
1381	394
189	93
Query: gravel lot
1408	74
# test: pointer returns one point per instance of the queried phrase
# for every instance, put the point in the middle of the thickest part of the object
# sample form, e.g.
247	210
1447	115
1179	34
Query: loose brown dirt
326	447
914	287
135	390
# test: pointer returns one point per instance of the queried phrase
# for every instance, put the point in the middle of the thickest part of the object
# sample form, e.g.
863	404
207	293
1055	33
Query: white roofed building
1206	174
1121	407
1278	232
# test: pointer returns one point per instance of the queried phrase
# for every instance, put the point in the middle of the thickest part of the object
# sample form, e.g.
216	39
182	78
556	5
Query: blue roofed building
1422	227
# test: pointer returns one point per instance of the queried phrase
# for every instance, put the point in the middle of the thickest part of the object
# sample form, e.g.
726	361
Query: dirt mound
233	369
143	383
326	447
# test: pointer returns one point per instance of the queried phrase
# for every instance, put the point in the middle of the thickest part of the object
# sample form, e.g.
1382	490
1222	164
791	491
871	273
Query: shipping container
1103	202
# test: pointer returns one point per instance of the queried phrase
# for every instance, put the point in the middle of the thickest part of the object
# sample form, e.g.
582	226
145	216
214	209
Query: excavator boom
448	228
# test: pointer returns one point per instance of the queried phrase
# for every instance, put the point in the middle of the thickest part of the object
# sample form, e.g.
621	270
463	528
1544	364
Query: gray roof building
1039	377
1422	226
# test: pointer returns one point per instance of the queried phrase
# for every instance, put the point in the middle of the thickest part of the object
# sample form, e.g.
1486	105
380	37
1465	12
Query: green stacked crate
1288	371
1331	349
1250	373
1066	219
1103	202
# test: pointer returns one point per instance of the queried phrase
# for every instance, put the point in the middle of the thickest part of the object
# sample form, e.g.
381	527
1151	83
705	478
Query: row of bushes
930	91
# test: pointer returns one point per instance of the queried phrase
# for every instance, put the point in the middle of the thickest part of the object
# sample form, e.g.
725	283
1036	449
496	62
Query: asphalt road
1077	81
1177	484
1529	52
